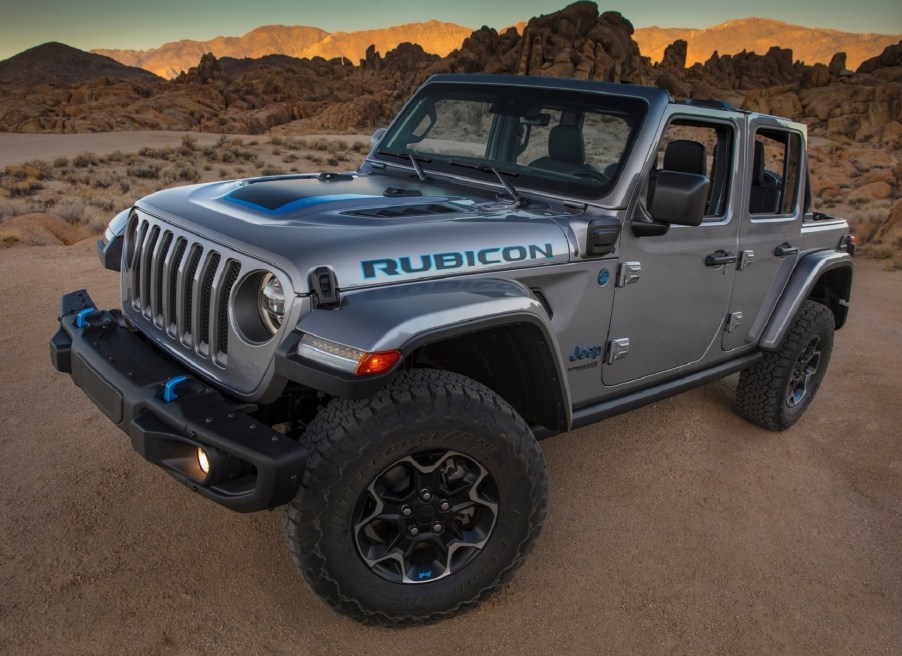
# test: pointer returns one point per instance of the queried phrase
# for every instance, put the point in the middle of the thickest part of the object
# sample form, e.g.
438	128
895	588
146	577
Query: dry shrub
85	159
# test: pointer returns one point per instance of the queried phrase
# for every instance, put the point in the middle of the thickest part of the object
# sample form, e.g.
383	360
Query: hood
370	229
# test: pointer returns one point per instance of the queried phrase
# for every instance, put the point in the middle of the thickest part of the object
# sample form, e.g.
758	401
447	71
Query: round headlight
271	303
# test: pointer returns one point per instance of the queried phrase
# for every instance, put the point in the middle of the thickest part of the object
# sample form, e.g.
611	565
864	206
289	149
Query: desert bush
360	146
276	140
143	170
61	162
85	159
27	187
289	158
14	207
272	170
332	161
189	142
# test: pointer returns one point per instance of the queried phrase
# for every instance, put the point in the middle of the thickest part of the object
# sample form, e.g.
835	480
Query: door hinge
628	273
746	259
733	320
617	348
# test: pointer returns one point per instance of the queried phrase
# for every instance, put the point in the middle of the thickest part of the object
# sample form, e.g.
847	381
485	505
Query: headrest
565	142
685	156
758	165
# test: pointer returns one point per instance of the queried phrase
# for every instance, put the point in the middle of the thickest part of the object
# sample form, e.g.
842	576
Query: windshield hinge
324	287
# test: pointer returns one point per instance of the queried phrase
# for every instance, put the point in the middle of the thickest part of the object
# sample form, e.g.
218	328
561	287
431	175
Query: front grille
181	286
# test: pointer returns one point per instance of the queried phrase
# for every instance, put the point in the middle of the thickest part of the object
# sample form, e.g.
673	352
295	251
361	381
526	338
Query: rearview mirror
679	198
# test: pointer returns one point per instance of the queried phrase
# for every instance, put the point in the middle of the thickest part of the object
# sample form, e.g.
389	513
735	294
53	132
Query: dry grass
88	189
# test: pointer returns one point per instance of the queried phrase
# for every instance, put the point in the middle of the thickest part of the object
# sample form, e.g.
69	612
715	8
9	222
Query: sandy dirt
678	528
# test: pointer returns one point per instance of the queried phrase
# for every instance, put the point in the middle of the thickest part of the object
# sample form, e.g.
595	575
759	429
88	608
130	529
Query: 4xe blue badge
585	353
603	276
425	574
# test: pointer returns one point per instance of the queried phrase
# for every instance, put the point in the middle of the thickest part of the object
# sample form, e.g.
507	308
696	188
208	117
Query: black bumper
252	466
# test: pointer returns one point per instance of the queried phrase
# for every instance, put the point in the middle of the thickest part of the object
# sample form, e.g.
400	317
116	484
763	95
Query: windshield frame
399	140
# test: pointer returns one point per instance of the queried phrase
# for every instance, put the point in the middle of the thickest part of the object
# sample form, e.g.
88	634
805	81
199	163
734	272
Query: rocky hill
252	95
809	44
295	41
59	64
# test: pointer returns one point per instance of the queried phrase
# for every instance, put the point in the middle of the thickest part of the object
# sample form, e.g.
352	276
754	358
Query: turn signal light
346	358
377	363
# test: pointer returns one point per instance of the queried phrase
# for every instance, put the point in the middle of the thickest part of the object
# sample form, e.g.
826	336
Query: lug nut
437	527
414	531
406	511
425	494
445	506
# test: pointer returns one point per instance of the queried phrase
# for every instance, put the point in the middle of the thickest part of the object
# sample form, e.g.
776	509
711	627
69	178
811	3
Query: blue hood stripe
294	205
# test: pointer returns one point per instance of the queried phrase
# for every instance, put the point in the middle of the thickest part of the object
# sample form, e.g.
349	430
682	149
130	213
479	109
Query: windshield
564	142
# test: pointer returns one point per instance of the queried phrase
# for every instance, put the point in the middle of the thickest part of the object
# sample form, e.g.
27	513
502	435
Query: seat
681	156
765	192
685	156
566	150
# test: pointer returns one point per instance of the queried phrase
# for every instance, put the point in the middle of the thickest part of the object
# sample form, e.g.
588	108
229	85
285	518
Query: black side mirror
680	198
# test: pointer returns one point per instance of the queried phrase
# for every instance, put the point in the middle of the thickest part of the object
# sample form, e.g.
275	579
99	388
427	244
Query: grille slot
231	278
206	294
193	263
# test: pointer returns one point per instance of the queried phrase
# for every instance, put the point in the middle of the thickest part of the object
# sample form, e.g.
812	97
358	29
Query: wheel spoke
803	372
425	515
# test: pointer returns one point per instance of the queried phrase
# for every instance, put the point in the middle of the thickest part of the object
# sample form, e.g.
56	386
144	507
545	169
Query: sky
89	24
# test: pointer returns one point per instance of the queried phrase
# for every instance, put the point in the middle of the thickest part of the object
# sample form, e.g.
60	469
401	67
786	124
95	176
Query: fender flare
804	278
407	317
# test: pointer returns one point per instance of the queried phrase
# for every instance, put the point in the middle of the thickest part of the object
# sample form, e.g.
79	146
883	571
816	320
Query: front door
673	312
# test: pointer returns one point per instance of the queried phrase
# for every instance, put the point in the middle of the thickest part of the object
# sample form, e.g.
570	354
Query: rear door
771	218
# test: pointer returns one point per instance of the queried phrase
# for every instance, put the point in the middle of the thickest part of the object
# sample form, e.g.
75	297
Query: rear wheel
417	503
776	392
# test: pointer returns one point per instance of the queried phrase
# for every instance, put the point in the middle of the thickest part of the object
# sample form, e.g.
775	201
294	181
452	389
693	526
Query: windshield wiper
413	159
499	173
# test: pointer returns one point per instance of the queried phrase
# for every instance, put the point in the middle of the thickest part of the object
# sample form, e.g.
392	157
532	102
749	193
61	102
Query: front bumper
253	466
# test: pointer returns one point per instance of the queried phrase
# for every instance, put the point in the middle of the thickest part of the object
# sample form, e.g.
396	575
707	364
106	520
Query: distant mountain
296	41
809	44
59	64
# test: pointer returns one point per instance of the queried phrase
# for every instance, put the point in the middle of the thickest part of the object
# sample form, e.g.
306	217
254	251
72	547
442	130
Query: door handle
720	258
785	249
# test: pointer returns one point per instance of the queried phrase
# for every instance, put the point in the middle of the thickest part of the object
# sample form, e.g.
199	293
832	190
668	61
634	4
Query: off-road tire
765	392
351	442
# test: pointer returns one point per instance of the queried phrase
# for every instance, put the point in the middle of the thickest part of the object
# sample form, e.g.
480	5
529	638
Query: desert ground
679	528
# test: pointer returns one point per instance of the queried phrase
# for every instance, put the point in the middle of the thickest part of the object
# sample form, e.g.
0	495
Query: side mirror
377	137
680	198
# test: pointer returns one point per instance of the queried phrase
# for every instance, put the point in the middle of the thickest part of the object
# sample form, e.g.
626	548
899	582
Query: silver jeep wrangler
380	351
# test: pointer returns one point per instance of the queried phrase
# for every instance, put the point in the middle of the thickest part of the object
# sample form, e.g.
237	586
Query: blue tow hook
80	317
169	394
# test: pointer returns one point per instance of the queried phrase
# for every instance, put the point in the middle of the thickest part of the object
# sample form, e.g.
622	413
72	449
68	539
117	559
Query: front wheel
776	391
417	503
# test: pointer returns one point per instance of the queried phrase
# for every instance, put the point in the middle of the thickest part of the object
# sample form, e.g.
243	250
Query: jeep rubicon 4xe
379	351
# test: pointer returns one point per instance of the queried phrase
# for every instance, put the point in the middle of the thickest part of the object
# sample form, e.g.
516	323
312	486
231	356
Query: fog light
203	461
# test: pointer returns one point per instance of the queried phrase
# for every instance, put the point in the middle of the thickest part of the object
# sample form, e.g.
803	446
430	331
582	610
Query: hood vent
392	212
